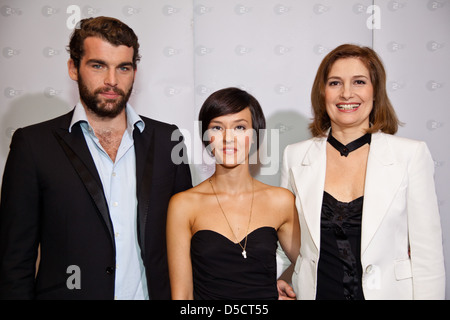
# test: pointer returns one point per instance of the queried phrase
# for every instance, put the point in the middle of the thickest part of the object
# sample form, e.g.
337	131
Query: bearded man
90	189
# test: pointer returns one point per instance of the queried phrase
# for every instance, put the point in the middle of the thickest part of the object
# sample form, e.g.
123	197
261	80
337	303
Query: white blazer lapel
383	178
310	180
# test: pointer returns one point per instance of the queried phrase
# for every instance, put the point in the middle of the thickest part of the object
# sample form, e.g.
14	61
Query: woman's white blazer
401	241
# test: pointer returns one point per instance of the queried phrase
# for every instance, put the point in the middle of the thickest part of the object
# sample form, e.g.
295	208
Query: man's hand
285	291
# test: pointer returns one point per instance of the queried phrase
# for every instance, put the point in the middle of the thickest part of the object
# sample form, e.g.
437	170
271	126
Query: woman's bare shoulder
191	196
279	194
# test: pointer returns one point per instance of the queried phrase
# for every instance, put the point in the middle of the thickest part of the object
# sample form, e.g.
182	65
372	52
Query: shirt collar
79	115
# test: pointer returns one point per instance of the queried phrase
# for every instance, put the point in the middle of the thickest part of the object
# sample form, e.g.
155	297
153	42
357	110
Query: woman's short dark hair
382	118
230	101
109	29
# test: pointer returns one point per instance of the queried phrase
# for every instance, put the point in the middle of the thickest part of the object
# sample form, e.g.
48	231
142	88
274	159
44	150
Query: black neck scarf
352	146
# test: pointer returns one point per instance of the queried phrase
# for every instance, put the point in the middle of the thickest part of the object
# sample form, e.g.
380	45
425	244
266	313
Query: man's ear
73	70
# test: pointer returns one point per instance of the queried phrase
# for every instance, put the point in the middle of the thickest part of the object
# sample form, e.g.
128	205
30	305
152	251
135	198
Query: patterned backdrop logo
9	52
395	5
10	92
201	50
50	52
282	89
395	46
281	50
48	11
359	8
50	92
201	9
320	8
395	85
281	9
171	91
320	49
283	128
434	46
241	50
434	5
434	85
170	10
129	11
8	11
241	10
170	52
89	11
203	90
432	125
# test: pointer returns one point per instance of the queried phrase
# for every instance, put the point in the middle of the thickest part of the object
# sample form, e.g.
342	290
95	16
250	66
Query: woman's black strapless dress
221	272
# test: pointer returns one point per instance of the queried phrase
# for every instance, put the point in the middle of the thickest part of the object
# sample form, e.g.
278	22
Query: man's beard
94	104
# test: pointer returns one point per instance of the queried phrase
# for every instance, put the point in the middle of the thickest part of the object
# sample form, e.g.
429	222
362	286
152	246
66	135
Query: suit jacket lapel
310	181
144	148
384	175
77	151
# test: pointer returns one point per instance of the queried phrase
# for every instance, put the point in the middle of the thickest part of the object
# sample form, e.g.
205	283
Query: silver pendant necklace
244	252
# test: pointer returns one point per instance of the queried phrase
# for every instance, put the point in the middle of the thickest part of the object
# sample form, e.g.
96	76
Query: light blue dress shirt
119	185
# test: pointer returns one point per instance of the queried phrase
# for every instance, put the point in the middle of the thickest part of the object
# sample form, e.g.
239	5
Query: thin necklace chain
244	252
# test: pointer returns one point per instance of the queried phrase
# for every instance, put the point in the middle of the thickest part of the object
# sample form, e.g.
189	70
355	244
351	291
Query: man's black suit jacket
52	196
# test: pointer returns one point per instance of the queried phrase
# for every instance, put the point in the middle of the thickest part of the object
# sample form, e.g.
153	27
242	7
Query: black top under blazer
52	196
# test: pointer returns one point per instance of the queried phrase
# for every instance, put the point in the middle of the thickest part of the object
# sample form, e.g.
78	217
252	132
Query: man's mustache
105	90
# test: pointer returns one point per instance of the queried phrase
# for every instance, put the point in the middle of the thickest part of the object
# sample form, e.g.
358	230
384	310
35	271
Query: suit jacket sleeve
283	261
425	228
19	221
183	179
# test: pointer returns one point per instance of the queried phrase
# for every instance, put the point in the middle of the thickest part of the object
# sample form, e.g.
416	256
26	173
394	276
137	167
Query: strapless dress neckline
236	243
221	272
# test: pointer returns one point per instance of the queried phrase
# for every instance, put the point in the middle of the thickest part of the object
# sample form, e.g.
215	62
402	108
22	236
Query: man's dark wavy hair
109	29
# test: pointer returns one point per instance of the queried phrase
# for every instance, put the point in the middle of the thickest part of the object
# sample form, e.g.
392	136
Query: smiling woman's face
349	94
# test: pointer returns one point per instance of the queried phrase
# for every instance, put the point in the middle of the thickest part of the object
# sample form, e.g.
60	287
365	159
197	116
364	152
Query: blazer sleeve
183	179
283	261
424	227
285	182
19	221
